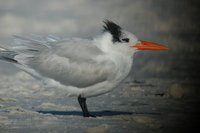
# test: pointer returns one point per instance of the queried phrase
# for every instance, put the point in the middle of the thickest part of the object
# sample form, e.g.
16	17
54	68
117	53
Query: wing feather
74	64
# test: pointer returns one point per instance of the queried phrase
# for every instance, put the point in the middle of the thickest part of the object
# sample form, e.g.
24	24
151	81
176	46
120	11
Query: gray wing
74	62
77	50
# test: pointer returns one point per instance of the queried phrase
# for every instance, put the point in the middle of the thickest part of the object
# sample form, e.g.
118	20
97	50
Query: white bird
83	68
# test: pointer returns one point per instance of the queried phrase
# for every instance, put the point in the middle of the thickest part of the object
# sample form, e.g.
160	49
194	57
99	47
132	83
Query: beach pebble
176	91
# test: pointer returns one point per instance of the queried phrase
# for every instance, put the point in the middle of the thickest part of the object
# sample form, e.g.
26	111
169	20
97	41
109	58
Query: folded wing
74	62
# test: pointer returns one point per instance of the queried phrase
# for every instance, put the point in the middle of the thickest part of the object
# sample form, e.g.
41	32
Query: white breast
123	67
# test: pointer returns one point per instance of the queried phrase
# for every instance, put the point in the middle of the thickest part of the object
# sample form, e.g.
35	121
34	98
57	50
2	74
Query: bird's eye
125	39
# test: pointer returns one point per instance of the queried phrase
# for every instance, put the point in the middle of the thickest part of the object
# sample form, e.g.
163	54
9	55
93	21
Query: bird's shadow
96	113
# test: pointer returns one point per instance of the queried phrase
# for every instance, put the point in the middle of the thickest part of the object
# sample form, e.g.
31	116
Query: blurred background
174	23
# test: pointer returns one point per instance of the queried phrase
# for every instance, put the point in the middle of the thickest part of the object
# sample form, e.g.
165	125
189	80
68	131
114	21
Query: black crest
114	29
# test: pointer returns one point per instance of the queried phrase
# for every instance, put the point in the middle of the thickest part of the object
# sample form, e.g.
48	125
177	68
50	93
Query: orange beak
143	45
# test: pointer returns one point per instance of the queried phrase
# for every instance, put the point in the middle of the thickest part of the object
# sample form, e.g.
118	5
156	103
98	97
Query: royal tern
83	68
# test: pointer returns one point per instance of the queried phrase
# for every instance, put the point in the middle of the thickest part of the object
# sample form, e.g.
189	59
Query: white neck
122	59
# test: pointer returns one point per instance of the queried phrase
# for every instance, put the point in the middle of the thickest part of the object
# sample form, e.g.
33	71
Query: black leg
82	102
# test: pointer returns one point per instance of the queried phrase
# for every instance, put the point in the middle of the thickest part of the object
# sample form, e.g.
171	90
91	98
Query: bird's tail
10	56
25	49
7	55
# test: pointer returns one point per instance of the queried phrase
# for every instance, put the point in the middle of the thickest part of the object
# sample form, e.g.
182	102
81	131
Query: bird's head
124	41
